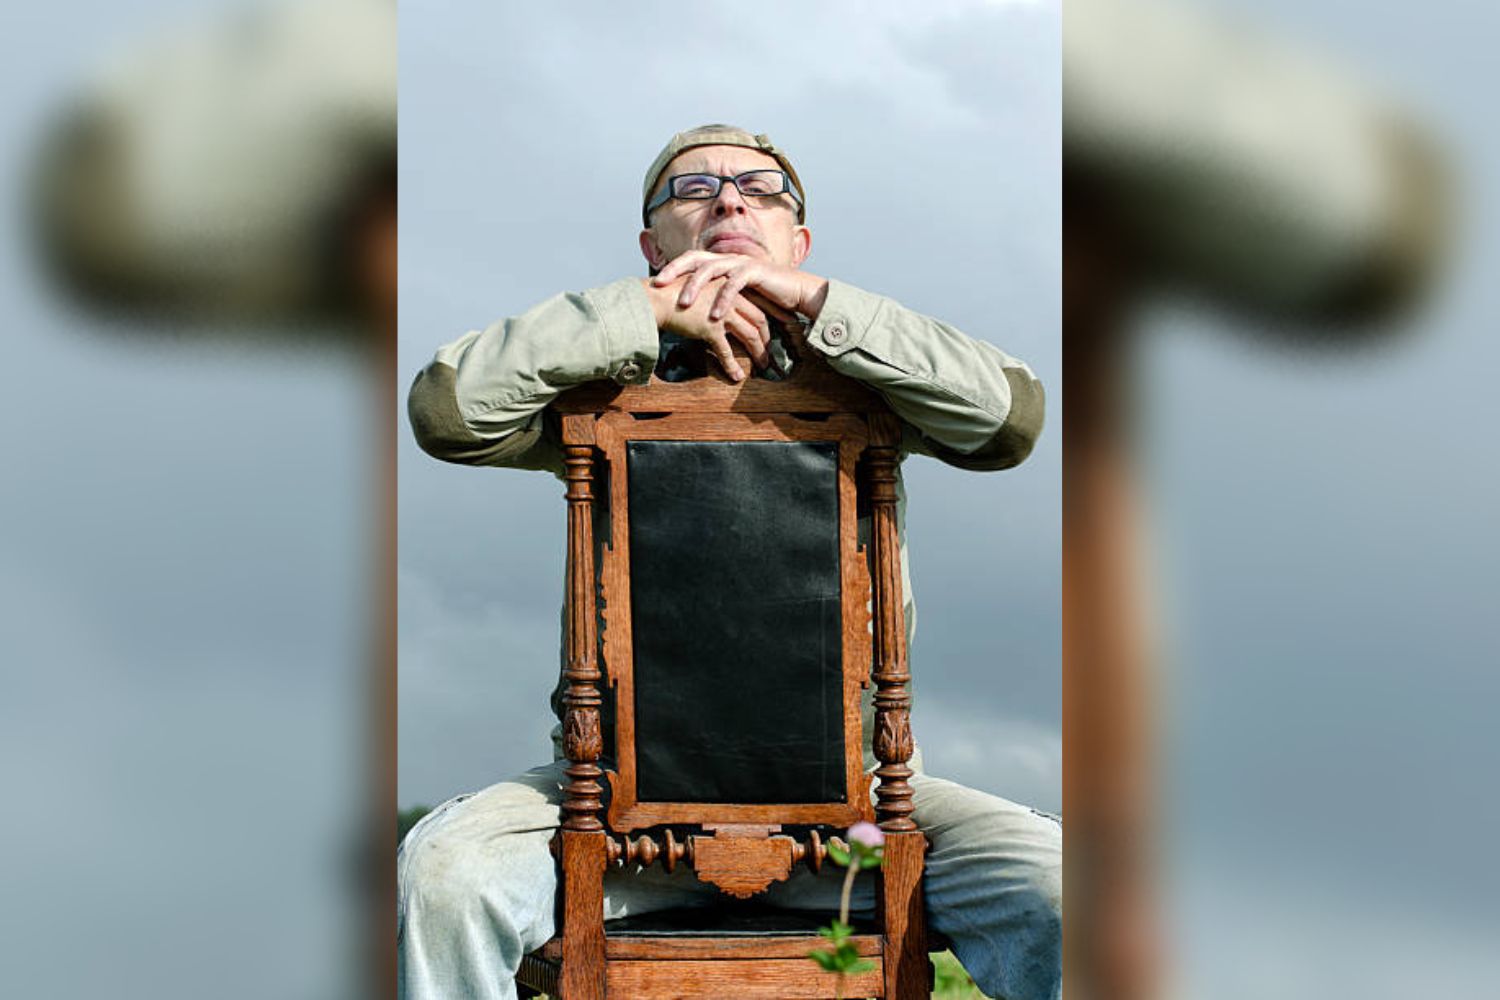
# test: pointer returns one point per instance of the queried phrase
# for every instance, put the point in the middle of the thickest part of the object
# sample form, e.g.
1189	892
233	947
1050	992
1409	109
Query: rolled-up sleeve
964	401
482	399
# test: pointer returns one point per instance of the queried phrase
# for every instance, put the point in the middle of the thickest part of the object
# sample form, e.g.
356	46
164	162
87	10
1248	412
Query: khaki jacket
483	398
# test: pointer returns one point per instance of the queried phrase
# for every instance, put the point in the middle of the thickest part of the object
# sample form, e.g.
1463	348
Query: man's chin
744	246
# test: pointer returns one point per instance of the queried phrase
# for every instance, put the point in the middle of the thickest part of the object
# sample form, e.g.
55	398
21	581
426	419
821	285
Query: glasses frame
668	192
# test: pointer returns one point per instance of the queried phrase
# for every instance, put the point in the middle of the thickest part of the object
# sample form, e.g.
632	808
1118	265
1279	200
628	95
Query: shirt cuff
847	314
630	336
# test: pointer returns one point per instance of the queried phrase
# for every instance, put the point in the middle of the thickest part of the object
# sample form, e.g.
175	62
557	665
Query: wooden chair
829	447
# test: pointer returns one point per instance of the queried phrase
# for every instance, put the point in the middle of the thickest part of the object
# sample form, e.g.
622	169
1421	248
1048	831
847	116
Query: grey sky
927	139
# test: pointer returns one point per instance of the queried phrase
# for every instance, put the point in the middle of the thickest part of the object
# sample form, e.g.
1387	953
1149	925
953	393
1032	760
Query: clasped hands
741	293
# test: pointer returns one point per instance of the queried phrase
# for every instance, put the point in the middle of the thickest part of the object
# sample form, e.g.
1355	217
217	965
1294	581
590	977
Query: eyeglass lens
755	183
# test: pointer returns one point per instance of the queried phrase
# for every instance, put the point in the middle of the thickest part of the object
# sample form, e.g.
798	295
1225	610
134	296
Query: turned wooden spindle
672	852
816	851
893	740
648	848
584	843
583	741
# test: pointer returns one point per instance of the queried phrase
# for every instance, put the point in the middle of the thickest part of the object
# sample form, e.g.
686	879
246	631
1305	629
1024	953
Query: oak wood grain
811	387
742	866
716	947
613	431
583	742
583	963
893	741
908	971
750	979
815	404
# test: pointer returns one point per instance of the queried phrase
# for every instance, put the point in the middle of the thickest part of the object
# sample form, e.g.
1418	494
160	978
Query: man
724	238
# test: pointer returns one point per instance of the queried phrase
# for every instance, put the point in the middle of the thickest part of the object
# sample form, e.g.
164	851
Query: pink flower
866	833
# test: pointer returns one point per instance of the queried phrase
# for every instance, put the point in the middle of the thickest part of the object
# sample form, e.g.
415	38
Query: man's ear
652	251
801	245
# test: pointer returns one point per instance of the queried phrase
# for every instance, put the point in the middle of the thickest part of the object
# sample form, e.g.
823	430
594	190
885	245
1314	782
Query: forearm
482	398
968	402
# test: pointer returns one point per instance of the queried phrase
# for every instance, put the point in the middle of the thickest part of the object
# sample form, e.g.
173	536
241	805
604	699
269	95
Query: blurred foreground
1275	555
196	256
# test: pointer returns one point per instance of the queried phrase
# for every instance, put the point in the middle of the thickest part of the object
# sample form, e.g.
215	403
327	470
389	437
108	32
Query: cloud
474	686
1017	759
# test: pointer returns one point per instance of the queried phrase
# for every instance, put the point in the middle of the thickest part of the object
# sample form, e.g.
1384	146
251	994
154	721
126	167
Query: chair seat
706	951
721	932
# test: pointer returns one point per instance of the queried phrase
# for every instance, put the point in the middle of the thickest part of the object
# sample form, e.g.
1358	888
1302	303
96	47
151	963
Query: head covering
719	135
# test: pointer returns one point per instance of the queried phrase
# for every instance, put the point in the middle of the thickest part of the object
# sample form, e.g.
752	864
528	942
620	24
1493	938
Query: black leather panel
734	576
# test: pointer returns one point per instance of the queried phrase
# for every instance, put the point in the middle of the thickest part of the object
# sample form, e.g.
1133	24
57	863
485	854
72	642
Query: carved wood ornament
737	847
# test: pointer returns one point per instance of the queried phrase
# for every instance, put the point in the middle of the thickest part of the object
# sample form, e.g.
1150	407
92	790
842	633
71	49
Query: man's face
731	223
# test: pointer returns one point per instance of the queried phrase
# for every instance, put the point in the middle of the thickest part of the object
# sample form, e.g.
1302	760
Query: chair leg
583	863
908	971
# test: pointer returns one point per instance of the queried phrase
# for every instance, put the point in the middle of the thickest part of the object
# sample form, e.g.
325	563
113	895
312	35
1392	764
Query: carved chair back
722	606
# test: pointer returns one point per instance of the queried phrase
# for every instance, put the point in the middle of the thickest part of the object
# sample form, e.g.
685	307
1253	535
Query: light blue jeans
476	885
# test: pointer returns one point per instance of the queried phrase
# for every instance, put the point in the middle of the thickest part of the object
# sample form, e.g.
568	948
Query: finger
700	277
752	314
770	308
668	274
718	346
746	333
729	291
679	266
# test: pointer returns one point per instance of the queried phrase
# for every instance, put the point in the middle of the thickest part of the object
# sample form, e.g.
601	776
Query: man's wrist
812	293
663	301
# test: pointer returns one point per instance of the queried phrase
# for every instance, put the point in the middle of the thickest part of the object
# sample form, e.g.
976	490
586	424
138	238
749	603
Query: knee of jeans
447	873
1044	890
1028	891
1000	860
1042	876
1044	883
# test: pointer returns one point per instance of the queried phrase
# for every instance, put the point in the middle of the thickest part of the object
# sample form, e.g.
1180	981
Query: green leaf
871	862
839	930
838	854
825	959
863	965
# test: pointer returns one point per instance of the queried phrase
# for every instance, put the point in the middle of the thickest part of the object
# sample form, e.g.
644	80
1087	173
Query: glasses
706	187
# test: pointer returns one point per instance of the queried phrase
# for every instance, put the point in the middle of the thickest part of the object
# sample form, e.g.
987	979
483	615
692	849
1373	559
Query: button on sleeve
629	373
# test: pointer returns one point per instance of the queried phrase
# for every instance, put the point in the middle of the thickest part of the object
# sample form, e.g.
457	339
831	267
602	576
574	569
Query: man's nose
729	200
